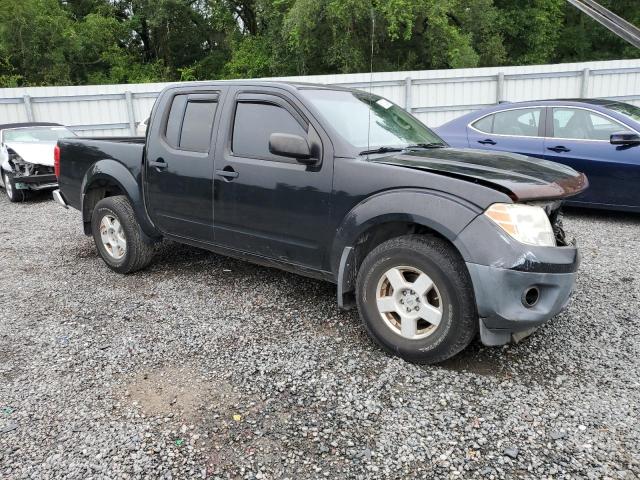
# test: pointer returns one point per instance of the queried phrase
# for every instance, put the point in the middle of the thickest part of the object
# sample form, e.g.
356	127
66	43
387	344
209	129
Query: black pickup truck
433	244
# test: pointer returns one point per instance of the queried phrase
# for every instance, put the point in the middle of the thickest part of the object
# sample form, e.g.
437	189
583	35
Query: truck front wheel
13	194
416	300
120	241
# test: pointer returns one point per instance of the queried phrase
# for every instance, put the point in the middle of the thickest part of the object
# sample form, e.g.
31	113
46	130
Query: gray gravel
206	367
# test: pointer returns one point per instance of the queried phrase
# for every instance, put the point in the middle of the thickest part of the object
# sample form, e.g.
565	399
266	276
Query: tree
54	42
582	37
34	40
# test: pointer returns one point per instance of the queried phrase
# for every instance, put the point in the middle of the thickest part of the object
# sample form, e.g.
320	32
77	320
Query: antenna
373	31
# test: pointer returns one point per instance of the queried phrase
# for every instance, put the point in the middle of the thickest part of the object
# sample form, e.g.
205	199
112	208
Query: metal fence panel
434	96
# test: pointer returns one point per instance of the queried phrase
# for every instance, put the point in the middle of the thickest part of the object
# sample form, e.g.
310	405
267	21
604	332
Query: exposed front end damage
554	212
518	287
28	175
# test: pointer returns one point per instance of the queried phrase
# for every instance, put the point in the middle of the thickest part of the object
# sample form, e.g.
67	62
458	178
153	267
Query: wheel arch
108	178
392	214
6	166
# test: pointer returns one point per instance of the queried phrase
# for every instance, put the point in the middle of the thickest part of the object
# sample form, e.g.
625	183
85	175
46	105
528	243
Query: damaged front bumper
36	182
512	304
517	287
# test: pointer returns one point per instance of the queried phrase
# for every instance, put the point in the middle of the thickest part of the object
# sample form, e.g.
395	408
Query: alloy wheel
409	302
113	238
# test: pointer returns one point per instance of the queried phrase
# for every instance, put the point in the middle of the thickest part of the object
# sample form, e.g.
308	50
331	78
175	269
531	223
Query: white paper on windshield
386	104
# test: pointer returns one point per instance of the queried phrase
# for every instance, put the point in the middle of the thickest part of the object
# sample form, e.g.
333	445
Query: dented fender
486	244
439	211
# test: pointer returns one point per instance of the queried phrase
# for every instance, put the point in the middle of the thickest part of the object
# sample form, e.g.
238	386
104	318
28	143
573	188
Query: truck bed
78	155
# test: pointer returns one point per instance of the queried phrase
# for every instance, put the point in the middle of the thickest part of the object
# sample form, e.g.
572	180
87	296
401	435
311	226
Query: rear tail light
56	160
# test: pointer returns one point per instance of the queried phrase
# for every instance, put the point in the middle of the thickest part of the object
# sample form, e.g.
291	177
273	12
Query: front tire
13	194
118	236
416	299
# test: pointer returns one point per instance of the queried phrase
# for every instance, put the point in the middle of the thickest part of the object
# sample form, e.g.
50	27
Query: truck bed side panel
78	156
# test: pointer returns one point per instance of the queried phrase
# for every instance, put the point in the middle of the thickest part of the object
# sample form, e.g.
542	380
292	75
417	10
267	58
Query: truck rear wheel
416	300
118	236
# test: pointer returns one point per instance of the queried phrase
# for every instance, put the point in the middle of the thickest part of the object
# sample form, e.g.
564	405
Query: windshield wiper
381	150
427	145
400	149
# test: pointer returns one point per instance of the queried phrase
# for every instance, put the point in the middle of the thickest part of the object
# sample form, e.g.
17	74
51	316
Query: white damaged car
26	157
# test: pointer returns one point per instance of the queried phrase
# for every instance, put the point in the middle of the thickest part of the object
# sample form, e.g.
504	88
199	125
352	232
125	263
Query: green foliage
56	42
532	29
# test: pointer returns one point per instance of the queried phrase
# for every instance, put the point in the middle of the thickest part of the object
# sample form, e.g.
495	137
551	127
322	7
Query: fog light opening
530	297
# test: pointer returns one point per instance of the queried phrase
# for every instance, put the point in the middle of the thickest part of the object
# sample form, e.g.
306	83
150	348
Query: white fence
434	96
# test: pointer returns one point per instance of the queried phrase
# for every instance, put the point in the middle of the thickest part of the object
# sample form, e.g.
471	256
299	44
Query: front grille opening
558	228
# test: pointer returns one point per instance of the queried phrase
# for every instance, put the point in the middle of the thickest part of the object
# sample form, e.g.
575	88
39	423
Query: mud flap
497	338
517	337
346	282
493	338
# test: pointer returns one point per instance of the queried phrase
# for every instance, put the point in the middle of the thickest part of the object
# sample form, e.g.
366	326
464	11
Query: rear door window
523	122
254	124
174	122
197	125
190	122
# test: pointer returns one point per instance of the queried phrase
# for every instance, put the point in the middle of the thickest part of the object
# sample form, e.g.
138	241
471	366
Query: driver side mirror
291	146
625	138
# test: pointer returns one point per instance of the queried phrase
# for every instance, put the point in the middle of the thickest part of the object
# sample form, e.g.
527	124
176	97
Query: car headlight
526	223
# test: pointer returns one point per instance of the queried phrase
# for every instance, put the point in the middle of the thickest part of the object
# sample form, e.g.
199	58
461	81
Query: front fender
441	212
5	165
110	171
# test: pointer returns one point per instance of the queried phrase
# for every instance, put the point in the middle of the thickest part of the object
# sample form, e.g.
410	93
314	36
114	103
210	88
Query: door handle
160	164
559	149
228	173
488	141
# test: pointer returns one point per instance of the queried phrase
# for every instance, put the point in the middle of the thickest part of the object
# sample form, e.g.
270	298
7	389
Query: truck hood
40	153
521	177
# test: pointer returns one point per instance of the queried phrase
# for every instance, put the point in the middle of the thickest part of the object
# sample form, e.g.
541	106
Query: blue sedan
598	137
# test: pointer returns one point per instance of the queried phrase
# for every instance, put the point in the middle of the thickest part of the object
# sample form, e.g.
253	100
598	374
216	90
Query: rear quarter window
485	124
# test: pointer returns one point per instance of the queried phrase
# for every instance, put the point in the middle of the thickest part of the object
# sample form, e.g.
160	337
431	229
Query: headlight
525	223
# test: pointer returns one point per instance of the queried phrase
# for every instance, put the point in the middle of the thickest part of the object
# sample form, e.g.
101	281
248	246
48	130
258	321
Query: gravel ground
205	367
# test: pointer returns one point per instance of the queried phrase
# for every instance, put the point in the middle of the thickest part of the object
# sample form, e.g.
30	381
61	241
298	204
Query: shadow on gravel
173	257
40	197
316	302
479	360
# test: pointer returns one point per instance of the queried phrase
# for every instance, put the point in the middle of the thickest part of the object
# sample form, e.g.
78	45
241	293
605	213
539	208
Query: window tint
485	124
197	126
172	132
521	122
578	124
254	124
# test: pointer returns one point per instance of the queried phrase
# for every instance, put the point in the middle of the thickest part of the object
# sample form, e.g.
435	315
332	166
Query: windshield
369	121
37	134
627	109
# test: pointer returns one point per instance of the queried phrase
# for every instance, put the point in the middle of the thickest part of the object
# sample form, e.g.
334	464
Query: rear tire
416	299
118	236
13	194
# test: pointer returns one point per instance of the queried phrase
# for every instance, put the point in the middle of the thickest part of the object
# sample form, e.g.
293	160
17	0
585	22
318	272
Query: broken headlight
526	223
